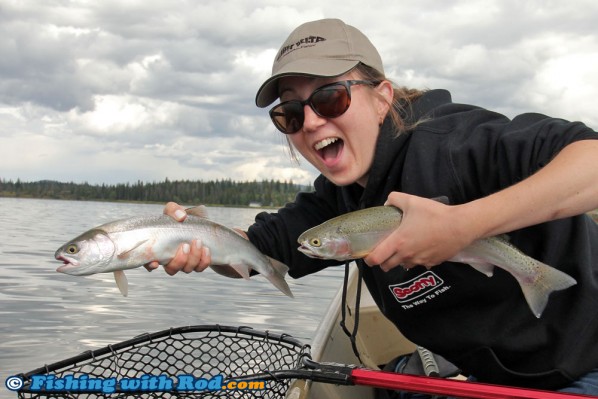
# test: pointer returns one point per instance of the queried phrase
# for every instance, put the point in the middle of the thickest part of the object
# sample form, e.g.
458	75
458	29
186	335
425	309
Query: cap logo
309	41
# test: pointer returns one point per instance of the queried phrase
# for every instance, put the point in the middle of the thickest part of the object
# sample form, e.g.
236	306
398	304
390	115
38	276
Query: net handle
442	386
339	374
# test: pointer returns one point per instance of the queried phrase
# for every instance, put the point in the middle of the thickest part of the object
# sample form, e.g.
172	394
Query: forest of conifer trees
219	192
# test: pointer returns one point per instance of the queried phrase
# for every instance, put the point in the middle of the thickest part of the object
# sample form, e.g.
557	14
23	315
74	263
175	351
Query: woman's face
341	148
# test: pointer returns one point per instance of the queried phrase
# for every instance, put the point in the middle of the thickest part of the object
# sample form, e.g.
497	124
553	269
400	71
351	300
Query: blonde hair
402	101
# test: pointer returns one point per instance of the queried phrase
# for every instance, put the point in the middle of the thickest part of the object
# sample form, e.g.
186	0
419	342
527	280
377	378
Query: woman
532	177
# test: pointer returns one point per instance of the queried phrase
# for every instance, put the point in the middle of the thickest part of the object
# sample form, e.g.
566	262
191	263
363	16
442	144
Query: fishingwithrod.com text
145	383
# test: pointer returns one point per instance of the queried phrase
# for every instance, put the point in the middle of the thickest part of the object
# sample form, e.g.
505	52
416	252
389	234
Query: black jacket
481	324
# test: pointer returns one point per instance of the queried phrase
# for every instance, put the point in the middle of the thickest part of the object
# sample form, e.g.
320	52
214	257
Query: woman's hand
189	257
430	233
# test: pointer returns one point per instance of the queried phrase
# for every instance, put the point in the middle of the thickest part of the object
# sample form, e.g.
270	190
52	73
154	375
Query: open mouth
329	150
308	252
68	264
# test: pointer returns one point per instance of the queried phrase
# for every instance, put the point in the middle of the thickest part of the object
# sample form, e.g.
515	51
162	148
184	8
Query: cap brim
268	92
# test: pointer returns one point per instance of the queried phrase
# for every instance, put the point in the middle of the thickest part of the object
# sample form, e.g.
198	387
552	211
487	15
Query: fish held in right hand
130	243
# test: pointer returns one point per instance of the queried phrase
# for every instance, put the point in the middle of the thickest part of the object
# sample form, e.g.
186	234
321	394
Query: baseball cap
323	48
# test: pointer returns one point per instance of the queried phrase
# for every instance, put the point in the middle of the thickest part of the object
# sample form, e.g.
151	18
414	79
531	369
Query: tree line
218	192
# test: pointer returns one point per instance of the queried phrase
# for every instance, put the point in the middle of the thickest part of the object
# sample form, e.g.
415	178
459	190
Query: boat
378	342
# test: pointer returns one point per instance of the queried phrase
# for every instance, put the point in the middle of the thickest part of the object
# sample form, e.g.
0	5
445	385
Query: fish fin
504	237
242	269
280	267
443	199
483	267
537	291
125	254
199	211
225	270
479	264
277	278
121	282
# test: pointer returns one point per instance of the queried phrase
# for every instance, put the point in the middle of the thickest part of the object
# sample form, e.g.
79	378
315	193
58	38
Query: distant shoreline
244	194
593	214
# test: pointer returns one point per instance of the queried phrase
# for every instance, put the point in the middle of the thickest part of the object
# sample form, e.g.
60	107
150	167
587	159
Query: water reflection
47	316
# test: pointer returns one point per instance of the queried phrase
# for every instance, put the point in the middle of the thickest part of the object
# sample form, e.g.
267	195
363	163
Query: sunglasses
328	101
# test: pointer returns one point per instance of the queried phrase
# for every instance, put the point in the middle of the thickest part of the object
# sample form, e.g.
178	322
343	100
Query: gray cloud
130	90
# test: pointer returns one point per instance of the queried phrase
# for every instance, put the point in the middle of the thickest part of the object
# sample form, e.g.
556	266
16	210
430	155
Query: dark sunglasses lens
288	117
331	101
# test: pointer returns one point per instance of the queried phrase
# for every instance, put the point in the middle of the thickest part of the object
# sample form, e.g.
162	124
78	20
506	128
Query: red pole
441	386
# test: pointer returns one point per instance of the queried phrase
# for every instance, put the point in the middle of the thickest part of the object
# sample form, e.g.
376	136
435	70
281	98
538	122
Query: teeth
324	143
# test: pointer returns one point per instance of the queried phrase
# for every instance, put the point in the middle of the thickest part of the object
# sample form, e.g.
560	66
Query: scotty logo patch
418	289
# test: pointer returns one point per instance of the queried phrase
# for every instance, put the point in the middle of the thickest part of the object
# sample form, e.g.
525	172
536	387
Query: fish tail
277	278
548	280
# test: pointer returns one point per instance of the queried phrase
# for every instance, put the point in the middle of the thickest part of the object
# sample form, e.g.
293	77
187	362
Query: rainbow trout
130	243
355	234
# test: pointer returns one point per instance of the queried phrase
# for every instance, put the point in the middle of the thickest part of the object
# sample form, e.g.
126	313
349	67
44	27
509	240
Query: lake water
47	316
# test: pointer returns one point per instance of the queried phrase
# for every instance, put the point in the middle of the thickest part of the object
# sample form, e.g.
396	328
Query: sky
116	91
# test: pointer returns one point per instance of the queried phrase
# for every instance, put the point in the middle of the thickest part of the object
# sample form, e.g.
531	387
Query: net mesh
174	363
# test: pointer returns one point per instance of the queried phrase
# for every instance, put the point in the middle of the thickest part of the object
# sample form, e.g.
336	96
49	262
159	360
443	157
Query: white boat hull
378	342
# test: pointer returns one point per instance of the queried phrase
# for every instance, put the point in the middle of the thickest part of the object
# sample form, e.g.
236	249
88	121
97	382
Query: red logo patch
416	287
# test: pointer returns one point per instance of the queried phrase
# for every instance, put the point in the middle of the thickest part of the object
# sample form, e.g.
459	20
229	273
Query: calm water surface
47	316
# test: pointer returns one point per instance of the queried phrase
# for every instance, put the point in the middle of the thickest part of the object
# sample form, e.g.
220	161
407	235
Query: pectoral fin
121	282
125	254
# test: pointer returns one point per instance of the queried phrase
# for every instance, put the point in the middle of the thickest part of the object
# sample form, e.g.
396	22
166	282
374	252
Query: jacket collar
390	154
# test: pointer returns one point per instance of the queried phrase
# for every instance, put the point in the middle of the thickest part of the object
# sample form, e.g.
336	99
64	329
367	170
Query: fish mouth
329	150
306	251
69	264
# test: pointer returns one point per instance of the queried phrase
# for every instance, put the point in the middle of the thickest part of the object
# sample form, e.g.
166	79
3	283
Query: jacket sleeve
276	234
494	152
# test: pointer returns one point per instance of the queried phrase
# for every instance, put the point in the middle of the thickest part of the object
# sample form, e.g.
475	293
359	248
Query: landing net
174	363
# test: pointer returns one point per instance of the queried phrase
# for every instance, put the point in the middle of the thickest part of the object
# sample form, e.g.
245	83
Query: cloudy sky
111	91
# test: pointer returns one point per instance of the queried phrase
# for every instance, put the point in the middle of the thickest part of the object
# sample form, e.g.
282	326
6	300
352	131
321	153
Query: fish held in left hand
134	242
355	234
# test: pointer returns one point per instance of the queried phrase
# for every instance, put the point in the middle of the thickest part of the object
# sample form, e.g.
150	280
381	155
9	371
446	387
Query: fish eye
72	249
315	242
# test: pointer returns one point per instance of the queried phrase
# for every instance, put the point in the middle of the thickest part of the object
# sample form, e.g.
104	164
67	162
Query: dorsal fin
443	199
199	211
